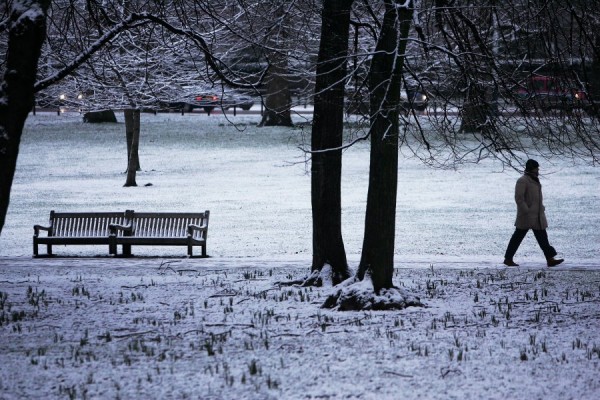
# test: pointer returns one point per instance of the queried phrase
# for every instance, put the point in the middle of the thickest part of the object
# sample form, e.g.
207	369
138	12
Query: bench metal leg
112	247
204	251
127	250
36	252
190	250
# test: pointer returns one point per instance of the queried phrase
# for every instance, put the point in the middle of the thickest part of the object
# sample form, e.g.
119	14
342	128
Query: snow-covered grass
223	329
163	326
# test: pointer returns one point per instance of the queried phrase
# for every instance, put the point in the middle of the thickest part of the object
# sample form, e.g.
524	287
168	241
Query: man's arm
520	189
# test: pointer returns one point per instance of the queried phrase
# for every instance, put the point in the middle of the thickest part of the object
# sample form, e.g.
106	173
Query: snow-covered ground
163	326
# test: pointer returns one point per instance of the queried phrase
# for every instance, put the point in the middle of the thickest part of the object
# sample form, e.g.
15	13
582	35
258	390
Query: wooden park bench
160	229
76	228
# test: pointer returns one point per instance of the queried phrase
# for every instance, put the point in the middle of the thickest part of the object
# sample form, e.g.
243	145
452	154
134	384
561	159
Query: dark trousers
517	237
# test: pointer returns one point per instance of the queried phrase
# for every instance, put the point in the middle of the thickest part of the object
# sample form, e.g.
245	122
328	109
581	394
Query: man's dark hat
530	165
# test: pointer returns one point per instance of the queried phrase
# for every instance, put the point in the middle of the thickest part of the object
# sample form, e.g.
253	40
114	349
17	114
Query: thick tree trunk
327	138
384	80
132	124
26	33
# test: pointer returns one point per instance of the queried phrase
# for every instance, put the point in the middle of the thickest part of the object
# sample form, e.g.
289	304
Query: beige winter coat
530	207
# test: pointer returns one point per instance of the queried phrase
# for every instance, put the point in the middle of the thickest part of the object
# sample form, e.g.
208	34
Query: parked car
60	102
206	101
357	102
209	101
236	100
414	99
548	92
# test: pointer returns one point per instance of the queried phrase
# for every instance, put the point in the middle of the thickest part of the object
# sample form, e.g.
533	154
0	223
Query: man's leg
549	251
515	242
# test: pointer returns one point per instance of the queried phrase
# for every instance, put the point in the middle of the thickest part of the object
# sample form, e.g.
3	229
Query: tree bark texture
26	33
327	138
384	81
132	124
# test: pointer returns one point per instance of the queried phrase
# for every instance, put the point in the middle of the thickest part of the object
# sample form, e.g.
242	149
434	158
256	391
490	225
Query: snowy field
84	325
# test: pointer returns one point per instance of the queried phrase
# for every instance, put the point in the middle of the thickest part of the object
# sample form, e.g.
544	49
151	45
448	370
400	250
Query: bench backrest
74	224
169	225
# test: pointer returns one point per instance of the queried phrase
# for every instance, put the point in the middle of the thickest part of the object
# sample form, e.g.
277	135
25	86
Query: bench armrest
38	228
193	227
115	228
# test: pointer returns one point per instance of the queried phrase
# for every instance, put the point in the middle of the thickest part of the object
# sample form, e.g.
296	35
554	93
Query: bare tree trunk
327	139
478	113
384	80
474	112
278	101
132	118
593	103
129	133
27	32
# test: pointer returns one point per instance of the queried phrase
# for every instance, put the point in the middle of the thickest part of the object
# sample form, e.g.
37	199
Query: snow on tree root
359	295
317	278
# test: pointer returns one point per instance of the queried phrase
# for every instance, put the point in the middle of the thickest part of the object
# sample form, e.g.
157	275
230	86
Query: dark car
235	100
414	99
209	101
548	93
357	102
204	101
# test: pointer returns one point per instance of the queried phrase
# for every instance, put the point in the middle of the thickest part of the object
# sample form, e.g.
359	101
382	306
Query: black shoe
510	263
553	262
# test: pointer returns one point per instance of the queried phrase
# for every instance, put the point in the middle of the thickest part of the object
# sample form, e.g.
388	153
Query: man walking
530	215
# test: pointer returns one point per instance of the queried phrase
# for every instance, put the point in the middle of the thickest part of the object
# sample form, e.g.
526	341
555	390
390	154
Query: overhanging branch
132	21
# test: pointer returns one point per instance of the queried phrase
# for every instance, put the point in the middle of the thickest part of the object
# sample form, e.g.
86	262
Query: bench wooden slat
79	228
91	224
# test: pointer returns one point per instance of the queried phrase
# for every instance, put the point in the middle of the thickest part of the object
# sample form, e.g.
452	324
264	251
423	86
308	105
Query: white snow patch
27	11
326	275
